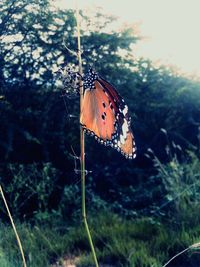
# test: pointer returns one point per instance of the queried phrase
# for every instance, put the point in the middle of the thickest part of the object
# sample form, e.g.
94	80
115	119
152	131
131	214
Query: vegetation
141	212
119	242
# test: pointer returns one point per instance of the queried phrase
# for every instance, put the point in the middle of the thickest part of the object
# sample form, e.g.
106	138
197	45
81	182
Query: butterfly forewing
112	91
96	113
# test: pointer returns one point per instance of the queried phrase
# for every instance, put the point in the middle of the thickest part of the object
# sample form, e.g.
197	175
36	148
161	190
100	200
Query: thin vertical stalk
14	228
183	251
82	145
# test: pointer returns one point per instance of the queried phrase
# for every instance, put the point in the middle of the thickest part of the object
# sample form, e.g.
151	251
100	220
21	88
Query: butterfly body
104	115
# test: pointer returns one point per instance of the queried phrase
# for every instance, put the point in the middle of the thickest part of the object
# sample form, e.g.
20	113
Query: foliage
31	34
39	133
31	188
181	184
142	242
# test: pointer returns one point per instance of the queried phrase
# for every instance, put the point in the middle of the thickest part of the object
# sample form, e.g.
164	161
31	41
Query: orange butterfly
104	114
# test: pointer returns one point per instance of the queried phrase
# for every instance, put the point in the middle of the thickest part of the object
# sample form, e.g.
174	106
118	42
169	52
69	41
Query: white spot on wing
125	110
122	139
125	128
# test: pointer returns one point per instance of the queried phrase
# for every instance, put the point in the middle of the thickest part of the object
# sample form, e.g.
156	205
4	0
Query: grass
119	242
13	226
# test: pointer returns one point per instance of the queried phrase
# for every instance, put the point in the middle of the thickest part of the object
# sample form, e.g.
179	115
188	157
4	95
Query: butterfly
104	115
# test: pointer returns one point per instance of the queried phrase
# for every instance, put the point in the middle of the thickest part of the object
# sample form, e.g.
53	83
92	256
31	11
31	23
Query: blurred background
141	211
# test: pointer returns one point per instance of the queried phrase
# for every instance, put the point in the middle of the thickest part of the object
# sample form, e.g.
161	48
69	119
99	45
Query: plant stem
183	251
14	228
82	145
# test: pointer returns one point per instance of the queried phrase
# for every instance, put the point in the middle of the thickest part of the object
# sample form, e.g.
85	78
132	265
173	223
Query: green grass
119	242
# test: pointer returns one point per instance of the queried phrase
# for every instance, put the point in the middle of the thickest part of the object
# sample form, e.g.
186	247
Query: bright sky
172	28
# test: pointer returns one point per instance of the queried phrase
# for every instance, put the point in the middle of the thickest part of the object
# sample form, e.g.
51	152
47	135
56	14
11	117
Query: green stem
82	147
13	226
84	216
183	251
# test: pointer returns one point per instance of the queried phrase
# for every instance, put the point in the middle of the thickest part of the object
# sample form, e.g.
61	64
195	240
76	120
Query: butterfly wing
112	91
105	115
96	114
123	137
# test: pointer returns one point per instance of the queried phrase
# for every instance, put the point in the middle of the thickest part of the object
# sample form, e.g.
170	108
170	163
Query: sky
171	28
